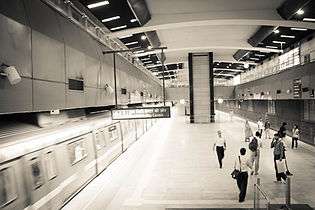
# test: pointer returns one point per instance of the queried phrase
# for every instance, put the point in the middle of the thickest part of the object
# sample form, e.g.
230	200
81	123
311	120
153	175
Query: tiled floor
173	166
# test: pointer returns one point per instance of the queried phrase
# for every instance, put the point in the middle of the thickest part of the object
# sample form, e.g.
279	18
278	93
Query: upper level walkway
173	166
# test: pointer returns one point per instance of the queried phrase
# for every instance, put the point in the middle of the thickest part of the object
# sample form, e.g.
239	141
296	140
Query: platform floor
173	166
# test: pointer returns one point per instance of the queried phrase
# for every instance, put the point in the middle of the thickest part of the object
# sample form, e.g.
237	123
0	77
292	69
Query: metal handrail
256	195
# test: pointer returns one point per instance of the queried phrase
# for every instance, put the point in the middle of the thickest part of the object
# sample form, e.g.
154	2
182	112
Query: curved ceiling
220	26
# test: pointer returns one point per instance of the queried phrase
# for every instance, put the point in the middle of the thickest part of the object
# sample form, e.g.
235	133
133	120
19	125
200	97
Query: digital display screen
141	113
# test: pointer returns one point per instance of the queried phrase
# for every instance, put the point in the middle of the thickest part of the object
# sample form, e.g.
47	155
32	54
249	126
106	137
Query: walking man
260	126
220	147
242	164
254	146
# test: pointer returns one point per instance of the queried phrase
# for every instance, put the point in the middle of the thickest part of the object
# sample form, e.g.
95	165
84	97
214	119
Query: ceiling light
287	36
309	19
276	31
300	12
131	43
259	55
139	51
143	37
127	36
119	27
149	47
273	47
145	59
145	62
133	20
110	19
278	42
299	29
246	65
254	59
98	4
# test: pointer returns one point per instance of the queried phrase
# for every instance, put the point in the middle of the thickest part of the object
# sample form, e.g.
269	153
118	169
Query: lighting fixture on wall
11	73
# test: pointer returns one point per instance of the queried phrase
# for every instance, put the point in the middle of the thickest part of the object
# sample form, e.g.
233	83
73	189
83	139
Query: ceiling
219	26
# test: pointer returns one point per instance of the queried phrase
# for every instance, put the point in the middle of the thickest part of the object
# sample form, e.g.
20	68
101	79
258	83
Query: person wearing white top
243	165
295	136
260	126
220	146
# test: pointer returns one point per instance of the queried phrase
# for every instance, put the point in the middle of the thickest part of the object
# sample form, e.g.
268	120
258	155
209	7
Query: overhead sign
141	113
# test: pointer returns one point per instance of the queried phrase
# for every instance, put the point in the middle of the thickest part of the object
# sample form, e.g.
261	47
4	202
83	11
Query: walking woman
243	165
295	136
279	159
220	146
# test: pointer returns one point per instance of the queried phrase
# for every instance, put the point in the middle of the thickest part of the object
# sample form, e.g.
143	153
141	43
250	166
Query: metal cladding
141	11
262	33
240	54
153	38
288	9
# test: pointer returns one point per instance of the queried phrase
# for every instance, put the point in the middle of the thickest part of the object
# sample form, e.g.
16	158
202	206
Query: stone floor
173	166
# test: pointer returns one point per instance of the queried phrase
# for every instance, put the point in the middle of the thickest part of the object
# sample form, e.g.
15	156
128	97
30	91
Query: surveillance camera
11	73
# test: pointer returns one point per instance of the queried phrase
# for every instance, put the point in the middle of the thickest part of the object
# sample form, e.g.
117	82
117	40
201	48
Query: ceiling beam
226	69
227	18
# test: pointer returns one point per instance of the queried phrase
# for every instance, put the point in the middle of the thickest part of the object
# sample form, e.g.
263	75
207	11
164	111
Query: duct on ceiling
140	10
262	33
240	54
153	38
288	9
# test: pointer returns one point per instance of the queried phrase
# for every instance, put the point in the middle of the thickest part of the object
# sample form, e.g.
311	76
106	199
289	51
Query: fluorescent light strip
119	27
287	36
278	42
145	62
127	36
98	4
133	20
309	19
145	59
131	43
259	55
139	51
152	66
299	29
254	59
110	19
272	47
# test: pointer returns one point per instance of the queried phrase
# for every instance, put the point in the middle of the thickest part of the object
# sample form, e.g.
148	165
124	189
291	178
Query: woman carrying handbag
240	173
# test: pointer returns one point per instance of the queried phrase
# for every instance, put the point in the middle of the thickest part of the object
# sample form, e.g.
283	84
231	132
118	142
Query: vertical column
201	87
212	114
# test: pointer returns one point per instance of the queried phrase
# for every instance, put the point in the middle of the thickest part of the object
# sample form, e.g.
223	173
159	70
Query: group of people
250	164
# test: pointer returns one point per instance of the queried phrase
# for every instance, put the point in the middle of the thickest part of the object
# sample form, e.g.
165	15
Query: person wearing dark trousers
242	164
278	153
220	147
295	136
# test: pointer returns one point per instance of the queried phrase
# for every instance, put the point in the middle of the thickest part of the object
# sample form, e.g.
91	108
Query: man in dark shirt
283	130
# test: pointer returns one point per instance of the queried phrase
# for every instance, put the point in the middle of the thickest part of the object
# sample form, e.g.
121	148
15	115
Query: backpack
253	145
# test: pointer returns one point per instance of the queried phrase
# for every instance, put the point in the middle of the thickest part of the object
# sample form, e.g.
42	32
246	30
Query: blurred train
44	169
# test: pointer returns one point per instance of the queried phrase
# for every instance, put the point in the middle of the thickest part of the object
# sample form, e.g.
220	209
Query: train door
12	186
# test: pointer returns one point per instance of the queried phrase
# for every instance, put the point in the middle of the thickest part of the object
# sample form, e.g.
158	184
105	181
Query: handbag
281	166
236	172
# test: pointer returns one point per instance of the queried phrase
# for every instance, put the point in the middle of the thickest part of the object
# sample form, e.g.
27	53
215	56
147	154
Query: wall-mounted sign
141	113
297	88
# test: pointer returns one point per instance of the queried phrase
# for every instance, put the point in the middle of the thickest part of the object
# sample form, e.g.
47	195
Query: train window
8	191
100	140
113	133
50	164
36	172
77	151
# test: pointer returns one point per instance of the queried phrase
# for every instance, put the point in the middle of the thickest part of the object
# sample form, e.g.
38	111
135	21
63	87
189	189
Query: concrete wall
47	50
179	93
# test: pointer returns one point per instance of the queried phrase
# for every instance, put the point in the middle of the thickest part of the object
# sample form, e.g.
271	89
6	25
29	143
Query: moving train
44	169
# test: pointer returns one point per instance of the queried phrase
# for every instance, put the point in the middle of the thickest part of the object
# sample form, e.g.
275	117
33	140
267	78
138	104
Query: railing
261	199
96	29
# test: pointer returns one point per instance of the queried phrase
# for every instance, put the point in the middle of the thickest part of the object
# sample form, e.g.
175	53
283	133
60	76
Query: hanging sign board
297	88
141	113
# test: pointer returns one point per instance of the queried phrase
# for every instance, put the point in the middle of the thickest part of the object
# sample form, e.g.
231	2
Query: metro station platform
173	166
